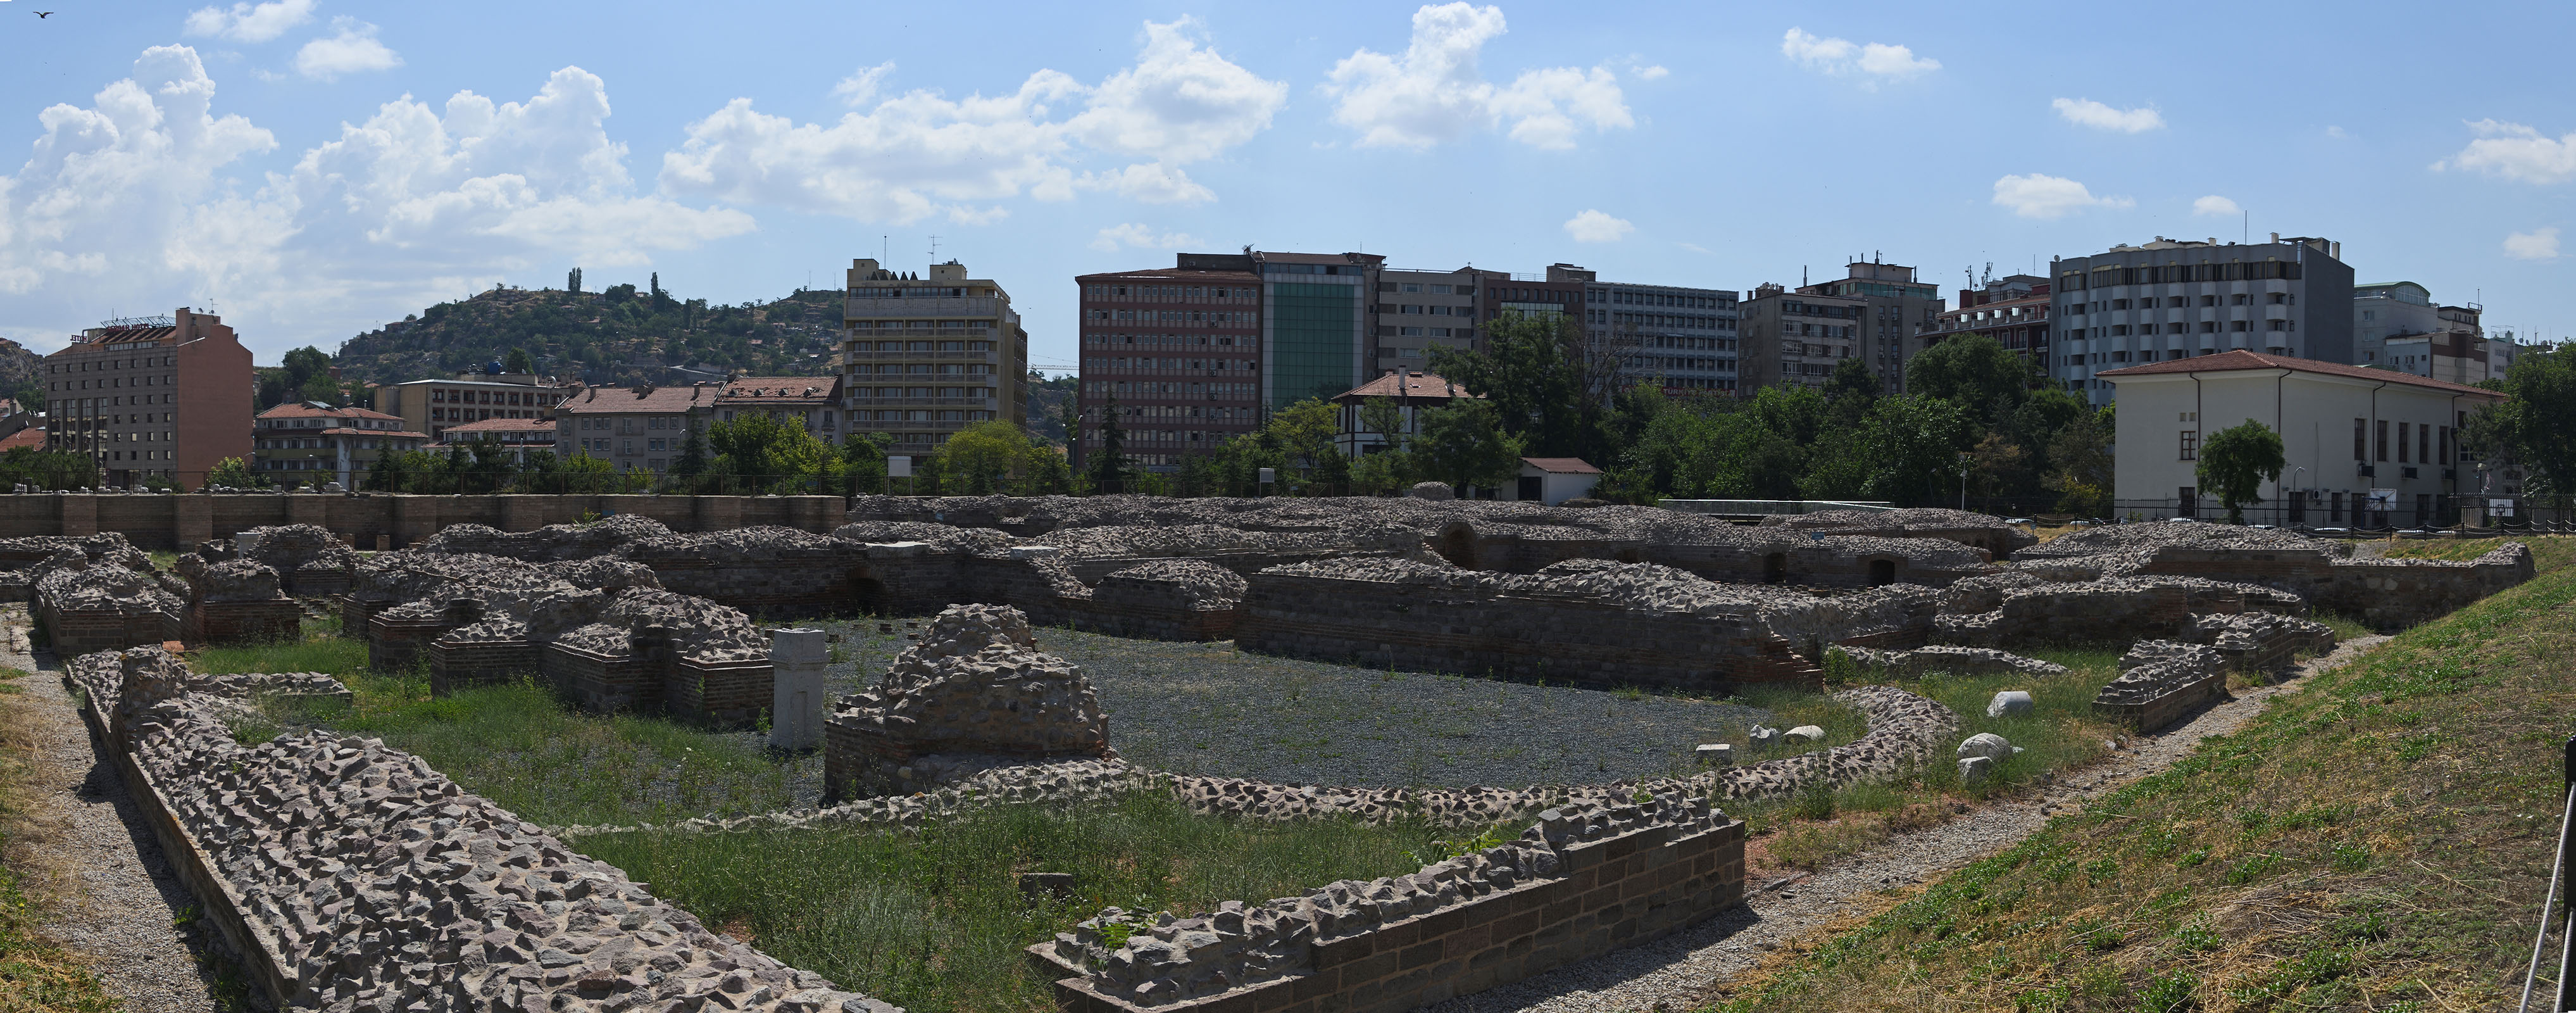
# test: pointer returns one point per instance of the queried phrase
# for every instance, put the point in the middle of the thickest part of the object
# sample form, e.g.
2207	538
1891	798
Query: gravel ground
1681	970
114	897
1205	708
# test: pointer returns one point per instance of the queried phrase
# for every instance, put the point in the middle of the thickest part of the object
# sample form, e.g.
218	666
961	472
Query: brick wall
2388	594
155	521
233	622
454	666
719	692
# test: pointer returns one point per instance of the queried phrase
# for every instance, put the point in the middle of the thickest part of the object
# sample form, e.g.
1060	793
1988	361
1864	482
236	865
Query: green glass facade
1314	341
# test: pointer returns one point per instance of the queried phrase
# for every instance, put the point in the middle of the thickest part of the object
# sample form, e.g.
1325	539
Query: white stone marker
796	658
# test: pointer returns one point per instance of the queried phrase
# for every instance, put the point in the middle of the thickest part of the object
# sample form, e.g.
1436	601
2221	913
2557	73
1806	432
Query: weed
2196	936
1815	801
2192	858
2169	993
2252	868
2349	856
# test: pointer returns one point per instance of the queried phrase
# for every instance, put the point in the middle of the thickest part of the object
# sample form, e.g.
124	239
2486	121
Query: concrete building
2012	309
1412	392
1419	312
517	438
1553	480
922	359
2384	310
152	399
432	406
312	442
1795	338
2366	447
633	428
811	401
1680	338
1895	309
2175	299
1317	319
1178	351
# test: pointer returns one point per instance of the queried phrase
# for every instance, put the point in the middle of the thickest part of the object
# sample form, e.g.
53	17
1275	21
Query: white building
2175	299
2367	447
1553	480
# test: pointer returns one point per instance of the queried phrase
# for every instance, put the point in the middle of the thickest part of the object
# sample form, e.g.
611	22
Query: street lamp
2295	487
1965	459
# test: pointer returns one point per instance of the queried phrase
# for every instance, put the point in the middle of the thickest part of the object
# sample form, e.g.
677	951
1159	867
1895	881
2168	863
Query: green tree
694	458
863	461
1545	380
2235	462
1465	445
2079	458
572	282
1972	371
47	469
1382	472
2533	424
1107	464
757	452
519	362
982	458
236	473
1381	415
1906	451
1305	433
1852	378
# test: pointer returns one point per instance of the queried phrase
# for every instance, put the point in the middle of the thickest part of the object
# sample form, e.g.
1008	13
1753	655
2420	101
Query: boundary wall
177	521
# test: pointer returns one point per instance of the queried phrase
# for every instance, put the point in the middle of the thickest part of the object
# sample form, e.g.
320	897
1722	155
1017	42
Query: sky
311	169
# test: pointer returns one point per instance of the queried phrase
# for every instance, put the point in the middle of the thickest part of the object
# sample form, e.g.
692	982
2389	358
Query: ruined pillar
797	658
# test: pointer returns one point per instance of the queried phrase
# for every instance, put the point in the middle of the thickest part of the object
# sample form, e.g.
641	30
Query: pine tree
572	282
1108	465
693	453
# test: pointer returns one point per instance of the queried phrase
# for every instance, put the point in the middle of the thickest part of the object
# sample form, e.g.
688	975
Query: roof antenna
934	249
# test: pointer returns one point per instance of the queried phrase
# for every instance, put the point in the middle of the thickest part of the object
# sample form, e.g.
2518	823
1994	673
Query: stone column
797	658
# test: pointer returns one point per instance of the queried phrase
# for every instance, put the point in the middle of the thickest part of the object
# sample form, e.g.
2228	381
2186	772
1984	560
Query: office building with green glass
1318	317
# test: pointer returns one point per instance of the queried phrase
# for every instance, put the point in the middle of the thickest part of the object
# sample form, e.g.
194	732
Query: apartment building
810	401
1420	311
924	358
312	442
434	406
2178	298
2399	326
1796	338
2013	310
1682	339
157	398
633	428
517	439
1178	351
1895	310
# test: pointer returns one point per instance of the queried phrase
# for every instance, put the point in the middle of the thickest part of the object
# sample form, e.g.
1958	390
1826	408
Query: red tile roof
641	400
503	426
32	436
1561	465
374	432
1175	274
1408	384
781	390
300	410
2240	359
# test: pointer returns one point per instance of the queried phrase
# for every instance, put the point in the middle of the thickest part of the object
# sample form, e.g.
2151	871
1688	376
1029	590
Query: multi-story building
153	399
515	438
297	443
2179	298
1317	323
1420	311
922	359
1896	309
1682	339
633	428
811	401
432	406
1177	351
2012	309
1795	338
2384	310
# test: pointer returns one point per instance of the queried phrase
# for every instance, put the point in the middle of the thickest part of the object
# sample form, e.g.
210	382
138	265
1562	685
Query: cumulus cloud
1873	62
1594	226
414	204
2088	113
2537	244
2216	206
1435	91
351	49
2514	151
1139	236
919	154
1652	72
244	22
2046	197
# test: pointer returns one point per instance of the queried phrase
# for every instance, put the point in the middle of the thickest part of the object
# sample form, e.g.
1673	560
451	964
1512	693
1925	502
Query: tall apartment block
1421	311
1682	339
1178	353
2178	298
153	398
1795	338
1895	310
2013	310
924	358
2397	325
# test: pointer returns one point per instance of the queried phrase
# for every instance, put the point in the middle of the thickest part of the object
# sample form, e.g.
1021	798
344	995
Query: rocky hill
619	336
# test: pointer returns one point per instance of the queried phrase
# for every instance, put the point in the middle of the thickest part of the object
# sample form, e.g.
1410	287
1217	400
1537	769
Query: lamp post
1965	459
2295	487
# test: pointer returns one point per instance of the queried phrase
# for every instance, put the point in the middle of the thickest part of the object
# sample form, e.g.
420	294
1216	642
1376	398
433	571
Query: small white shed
1553	480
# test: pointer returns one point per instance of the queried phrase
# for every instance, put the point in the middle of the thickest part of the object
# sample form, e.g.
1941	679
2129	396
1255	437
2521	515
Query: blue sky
309	168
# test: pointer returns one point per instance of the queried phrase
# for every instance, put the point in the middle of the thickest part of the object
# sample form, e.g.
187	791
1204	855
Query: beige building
311	442
160	398
924	358
632	428
2364	447
814	401
431	406
517	438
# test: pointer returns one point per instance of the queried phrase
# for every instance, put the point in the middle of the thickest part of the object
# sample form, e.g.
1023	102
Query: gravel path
1680	970
115	899
1206	708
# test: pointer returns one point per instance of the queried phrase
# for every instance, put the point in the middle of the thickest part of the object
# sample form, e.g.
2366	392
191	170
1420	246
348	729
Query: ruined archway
867	594
1457	544
1775	568
1882	572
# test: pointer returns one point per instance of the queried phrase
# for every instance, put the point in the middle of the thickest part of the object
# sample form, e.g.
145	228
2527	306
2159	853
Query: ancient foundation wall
455	665
176	521
1794	558
80	631
233	622
2387	594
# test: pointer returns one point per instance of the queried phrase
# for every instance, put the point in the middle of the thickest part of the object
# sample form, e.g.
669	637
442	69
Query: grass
36	975
933	920
2378	840
519	745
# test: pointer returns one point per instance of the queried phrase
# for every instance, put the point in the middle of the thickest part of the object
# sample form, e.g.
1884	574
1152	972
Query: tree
1973	372
236	473
2533	424
572	282
1305	433
519	362
47	469
982	458
1852	378
2080	456
1384	471
1464	444
693	459
1381	415
863	461
2235	462
1547	381
1108	464
764	453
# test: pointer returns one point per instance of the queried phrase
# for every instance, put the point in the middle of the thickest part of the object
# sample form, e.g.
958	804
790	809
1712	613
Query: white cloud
1138	236
2537	244
2215	205
2517	152
1597	227
1435	92
2336	133
2043	196
1874	61
919	154
412	205
857	89
245	22
2088	113
1652	73
351	49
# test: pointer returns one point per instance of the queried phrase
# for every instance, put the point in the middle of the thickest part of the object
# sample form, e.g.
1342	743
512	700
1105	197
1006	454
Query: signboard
898	467
1269	475
2499	508
2383	499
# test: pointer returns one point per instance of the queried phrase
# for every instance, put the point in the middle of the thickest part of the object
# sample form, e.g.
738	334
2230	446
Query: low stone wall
233	622
2160	681
2113	609
350	876
456	663
1578	884
2387	594
178	521
719	692
2260	642
1920	662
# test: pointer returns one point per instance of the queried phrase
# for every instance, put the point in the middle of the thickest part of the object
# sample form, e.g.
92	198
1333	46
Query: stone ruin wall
2386	594
351	876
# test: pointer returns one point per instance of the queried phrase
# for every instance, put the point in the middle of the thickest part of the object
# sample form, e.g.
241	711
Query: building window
2381	443
2191	444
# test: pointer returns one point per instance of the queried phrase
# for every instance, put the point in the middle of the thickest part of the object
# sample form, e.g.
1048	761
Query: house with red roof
314	442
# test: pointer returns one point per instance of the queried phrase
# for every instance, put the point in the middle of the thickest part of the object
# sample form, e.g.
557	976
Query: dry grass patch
35	973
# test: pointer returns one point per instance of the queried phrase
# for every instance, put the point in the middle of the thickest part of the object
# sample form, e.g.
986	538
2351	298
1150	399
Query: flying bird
44	14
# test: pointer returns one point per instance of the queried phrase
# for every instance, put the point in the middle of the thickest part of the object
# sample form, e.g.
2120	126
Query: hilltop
619	336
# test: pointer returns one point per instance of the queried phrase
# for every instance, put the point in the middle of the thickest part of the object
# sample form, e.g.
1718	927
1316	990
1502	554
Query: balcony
919	402
870	308
849	356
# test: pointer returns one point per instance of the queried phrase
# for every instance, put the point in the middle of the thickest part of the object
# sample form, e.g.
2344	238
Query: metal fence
2541	514
2555	915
